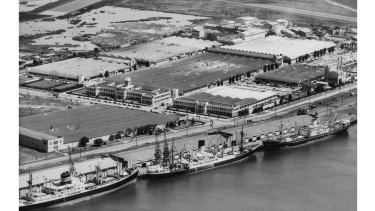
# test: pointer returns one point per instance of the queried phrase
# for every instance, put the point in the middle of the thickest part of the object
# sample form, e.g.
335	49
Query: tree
83	141
264	68
111	137
98	142
276	65
290	98
96	50
106	74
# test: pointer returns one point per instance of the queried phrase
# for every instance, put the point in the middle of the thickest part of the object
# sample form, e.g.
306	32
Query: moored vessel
307	134
73	187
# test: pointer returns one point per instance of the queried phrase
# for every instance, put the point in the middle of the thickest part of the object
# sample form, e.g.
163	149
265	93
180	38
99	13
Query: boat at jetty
306	134
201	159
73	187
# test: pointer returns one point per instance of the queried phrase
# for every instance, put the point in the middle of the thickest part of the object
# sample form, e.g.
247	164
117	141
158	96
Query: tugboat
306	134
72	187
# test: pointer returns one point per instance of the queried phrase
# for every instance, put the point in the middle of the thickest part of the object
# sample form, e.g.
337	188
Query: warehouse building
293	75
39	141
290	48
62	129
252	34
126	91
166	49
225	101
79	69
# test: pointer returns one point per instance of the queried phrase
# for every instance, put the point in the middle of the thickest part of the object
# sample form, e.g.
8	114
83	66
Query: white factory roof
54	173
252	31
306	30
277	45
248	18
163	48
72	68
240	92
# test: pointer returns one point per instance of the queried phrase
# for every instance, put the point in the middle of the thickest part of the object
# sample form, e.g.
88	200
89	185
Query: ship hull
84	196
163	175
277	145
213	165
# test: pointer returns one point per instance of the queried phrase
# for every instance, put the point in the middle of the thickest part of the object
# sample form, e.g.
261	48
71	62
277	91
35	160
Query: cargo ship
72	188
201	159
306	134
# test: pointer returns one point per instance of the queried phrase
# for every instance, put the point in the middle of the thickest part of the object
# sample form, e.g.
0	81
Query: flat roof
35	134
192	72
276	45
54	173
91	121
162	49
252	31
293	73
241	93
72	68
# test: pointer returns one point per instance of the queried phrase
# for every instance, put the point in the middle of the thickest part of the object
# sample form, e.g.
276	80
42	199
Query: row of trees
84	140
106	74
244	112
270	67
258	109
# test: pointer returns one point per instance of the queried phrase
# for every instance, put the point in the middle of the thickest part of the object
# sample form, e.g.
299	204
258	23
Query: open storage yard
91	121
95	21
193	72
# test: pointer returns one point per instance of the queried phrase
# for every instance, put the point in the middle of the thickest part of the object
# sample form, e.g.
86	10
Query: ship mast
157	149
172	153
241	141
71	163
166	151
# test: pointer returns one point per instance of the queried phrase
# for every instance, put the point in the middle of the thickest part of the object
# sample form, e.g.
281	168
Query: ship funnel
65	178
201	145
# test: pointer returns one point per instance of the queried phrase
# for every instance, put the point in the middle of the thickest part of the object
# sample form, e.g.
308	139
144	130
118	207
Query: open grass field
91	121
192	72
44	84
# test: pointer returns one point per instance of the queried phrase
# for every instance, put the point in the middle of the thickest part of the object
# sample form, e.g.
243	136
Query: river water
318	176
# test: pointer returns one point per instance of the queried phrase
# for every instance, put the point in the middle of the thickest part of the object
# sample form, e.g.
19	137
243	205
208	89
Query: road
149	139
295	11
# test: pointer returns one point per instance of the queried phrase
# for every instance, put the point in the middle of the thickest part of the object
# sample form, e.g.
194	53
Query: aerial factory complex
109	93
